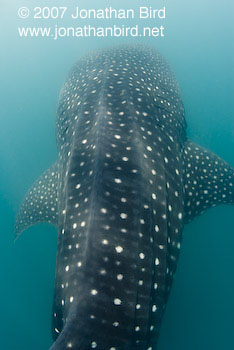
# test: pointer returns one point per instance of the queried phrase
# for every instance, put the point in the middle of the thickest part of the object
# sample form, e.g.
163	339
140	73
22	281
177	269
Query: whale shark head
126	181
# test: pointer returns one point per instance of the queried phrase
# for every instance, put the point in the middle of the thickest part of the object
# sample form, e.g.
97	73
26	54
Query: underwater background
198	44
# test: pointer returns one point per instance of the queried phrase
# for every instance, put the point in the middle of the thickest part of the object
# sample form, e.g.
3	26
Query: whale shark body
126	180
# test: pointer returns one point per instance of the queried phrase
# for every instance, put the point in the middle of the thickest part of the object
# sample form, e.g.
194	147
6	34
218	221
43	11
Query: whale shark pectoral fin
40	202
208	180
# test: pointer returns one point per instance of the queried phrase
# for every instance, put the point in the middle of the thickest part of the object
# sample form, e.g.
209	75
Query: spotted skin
40	202
122	194
206	185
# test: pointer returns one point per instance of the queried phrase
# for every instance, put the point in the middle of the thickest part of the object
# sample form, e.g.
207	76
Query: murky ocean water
198	44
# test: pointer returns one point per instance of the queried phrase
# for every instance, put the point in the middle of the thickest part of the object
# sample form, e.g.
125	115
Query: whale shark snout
126	180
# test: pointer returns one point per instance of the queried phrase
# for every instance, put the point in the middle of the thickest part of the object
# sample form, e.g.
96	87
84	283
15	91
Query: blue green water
198	43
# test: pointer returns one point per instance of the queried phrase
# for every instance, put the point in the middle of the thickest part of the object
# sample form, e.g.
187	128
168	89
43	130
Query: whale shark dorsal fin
208	180
40	202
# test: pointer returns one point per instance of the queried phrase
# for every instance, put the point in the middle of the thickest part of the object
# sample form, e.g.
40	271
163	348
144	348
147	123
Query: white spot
154	308
119	277
142	256
119	249
156	228
71	299
94	292
123	216
75	225
118	181
67	268
156	261
117	301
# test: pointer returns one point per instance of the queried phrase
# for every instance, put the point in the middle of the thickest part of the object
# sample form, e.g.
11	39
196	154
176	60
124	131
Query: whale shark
126	181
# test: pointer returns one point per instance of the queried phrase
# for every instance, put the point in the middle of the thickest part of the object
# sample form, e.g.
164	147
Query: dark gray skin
126	181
